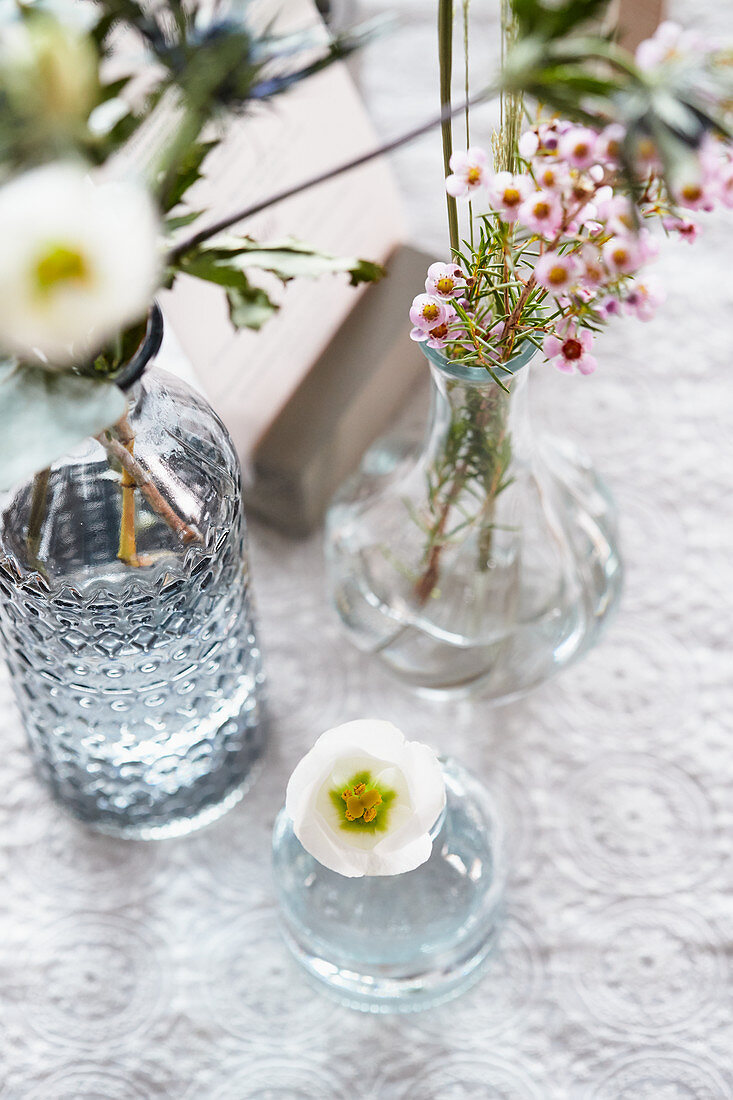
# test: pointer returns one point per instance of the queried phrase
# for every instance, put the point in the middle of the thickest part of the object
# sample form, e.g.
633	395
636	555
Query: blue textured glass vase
398	943
135	661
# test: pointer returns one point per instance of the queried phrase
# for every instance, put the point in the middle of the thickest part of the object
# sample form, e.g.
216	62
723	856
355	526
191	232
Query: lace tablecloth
133	971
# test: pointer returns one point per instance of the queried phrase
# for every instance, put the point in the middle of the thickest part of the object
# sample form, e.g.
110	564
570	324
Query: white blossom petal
110	227
408	770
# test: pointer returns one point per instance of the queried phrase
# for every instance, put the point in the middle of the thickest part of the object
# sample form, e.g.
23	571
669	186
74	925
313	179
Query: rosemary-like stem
186	532
445	56
428	579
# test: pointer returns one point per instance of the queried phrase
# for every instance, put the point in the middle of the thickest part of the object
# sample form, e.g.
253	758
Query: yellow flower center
691	192
557	275
440	332
361	803
445	285
512	196
646	148
474	176
430	311
59	265
541	210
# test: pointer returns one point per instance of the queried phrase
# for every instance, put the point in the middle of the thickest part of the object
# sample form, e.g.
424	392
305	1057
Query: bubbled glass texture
140	686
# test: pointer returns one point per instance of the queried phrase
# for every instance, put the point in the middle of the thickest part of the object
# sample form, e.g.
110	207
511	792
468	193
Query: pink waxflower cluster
567	234
433	314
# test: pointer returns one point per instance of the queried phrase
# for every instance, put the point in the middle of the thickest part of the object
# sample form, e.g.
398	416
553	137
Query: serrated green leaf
43	414
250	307
287	259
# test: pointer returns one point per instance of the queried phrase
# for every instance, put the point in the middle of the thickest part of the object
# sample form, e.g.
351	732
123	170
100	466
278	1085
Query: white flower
363	800
78	261
49	72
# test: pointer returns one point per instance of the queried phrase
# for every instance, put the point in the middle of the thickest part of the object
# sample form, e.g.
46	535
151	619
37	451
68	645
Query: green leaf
43	414
188	172
250	306
552	20
287	259
173	223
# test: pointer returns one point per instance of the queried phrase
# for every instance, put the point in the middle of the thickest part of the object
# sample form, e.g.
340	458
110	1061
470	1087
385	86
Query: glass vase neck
478	376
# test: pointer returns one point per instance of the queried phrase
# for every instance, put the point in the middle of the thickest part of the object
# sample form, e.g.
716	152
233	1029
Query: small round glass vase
132	652
483	561
399	943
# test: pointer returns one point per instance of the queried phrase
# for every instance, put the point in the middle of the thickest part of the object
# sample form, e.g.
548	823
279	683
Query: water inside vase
140	688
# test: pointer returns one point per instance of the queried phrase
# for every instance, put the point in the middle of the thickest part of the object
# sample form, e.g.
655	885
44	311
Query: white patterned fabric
133	971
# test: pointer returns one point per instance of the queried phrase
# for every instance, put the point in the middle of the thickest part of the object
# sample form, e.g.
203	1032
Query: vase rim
146	352
462	373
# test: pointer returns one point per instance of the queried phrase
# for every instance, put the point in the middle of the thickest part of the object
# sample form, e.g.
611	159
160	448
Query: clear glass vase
399	943
484	561
132	647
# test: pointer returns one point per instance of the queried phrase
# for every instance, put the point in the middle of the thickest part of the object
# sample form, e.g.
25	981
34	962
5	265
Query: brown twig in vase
127	551
186	532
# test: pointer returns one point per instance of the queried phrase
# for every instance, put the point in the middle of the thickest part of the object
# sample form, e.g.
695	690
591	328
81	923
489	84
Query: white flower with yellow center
364	800
78	261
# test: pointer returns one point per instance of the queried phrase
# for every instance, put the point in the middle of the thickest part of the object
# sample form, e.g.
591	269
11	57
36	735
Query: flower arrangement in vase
488	560
370	858
125	603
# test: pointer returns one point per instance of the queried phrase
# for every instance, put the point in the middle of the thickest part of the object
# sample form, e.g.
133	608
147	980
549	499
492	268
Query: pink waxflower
507	193
549	134
556	272
439	334
578	147
542	213
593	272
648	245
445	281
610	142
726	185
551	174
713	156
643	299
528	144
695	192
622	255
686	229
669	43
568	350
608	307
470	171
615	211
427	311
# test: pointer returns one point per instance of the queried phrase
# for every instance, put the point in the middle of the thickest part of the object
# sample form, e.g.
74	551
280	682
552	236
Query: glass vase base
502	633
365	993
175	826
172	796
399	943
